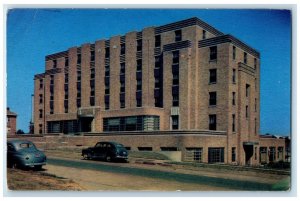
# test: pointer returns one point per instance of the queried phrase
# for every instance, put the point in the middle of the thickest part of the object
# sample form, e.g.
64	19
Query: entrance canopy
250	143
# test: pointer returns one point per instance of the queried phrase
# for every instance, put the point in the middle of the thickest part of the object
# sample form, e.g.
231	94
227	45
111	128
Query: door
248	154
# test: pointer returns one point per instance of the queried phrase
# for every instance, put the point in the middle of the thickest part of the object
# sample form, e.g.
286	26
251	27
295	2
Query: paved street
123	170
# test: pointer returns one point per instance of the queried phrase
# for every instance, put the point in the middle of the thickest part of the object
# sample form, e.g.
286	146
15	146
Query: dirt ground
34	180
104	181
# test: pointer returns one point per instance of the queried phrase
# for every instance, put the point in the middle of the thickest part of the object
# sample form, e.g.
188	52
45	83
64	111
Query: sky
34	33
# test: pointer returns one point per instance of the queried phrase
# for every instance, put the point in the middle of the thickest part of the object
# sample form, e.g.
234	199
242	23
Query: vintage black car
107	151
23	153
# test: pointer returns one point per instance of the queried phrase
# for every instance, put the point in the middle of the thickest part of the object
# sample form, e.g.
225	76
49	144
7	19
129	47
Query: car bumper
34	164
121	157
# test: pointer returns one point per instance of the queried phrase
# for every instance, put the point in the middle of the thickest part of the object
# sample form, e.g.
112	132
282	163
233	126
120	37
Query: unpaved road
97	175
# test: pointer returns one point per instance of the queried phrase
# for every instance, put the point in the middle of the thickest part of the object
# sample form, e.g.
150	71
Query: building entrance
248	154
85	124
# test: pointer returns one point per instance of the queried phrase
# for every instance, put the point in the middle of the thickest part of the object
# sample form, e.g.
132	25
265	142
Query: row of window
214	55
195	154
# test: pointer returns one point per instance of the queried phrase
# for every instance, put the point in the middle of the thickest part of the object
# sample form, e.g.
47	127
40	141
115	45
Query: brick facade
102	86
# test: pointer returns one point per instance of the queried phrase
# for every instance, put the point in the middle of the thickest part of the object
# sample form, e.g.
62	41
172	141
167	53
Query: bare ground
38	180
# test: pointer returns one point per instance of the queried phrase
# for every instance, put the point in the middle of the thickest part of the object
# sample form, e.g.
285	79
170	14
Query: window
233	123
233	154
216	155
233	76
66	106
66	77
203	34
272	154
107	53
247	112
247	90
78	58
92	101
139	85
175	102
175	57
193	154
157	83
41	98
66	61
280	153
255	105
40	128
157	41
106	89
212	122
175	123
233	52
122	100
54	63
138	102
213	53
122	68
255	63
145	148
263	154
233	98
41	114
93	55
107	71
213	76
131	123
245	58
78	102
139	44
157	62
41	83
106	101
178	35
139	65
122	87
212	98
175	79
122	49
51	79
92	73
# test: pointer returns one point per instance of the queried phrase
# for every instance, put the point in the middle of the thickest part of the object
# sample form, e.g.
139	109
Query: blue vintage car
23	153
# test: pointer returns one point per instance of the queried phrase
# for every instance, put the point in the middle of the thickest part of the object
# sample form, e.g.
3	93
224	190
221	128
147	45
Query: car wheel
85	156
108	158
89	156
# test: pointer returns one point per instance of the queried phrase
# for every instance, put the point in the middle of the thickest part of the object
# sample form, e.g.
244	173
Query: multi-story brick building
11	122
185	76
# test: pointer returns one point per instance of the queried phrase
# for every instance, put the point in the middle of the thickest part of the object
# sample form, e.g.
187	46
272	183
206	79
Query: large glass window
216	155
194	154
131	123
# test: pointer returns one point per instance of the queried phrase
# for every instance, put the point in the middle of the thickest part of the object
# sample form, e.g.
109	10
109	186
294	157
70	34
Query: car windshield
26	145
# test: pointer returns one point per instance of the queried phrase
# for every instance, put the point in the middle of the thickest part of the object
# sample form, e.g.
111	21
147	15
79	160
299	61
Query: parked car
23	153
107	151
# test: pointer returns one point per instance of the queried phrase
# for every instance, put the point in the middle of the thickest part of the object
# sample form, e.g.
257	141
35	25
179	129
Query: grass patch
283	185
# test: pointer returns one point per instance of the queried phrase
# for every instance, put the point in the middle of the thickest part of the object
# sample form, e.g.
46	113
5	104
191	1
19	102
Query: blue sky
34	33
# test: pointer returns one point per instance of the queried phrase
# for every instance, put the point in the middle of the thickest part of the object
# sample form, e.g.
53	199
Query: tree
20	131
